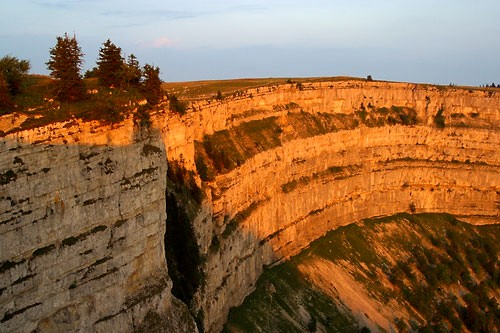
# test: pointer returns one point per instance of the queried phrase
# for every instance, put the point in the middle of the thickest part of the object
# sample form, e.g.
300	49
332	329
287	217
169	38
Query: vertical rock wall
81	231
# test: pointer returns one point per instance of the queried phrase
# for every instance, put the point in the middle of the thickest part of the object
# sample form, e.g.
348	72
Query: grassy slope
426	273
37	103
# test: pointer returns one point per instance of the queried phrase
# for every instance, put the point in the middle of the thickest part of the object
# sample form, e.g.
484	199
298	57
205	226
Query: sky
439	41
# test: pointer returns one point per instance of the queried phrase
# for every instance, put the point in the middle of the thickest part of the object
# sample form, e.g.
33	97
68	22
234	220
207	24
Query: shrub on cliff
65	65
142	116
219	96
176	105
5	100
439	119
14	72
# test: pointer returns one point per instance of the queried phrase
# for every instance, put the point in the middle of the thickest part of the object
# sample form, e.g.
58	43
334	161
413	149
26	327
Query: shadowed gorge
183	197
232	186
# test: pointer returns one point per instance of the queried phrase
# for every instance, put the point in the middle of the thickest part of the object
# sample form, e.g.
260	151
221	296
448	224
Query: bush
202	168
219	95
439	119
5	98
142	116
13	71
177	106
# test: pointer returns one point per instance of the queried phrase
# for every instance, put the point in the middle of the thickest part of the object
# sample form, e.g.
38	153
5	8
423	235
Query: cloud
163	42
148	14
62	4
160	43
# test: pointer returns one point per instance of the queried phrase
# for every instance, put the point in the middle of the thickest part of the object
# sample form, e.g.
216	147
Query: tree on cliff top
132	72
65	64
110	65
14	71
152	84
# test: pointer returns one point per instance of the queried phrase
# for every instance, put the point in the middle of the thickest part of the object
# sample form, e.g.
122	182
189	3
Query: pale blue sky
447	41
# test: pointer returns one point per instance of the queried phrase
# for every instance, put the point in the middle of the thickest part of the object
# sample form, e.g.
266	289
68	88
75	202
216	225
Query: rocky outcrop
81	231
275	203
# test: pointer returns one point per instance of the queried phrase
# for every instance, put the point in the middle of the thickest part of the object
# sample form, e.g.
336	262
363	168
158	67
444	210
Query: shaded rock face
272	204
81	232
82	222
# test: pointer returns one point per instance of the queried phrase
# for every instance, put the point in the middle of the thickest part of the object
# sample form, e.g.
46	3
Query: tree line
65	64
112	70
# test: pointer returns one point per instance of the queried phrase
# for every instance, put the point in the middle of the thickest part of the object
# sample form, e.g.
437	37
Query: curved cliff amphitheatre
253	177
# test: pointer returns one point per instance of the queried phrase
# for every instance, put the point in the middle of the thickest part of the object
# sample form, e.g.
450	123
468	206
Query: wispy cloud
160	43
55	4
61	4
163	42
148	14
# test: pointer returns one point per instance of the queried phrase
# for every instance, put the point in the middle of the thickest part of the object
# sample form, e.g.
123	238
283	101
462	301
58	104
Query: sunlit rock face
82	205
278	201
81	232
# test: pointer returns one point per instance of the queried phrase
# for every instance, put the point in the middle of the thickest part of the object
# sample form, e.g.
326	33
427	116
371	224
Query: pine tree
132	71
152	84
110	65
65	64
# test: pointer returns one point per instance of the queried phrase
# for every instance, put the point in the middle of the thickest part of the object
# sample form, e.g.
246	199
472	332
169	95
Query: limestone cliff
81	231
83	206
285	186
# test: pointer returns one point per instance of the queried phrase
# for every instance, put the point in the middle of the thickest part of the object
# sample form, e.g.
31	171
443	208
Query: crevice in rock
183	198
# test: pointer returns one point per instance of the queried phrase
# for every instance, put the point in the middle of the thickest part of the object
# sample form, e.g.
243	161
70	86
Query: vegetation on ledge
109	92
225	150
107	105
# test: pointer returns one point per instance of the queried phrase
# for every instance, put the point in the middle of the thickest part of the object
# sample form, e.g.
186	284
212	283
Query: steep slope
408	272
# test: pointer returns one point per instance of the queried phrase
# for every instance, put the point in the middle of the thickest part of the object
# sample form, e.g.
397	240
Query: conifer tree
152	84
132	71
110	65
90	73
65	65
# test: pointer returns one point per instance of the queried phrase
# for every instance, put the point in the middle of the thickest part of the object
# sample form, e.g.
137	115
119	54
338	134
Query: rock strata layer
81	231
